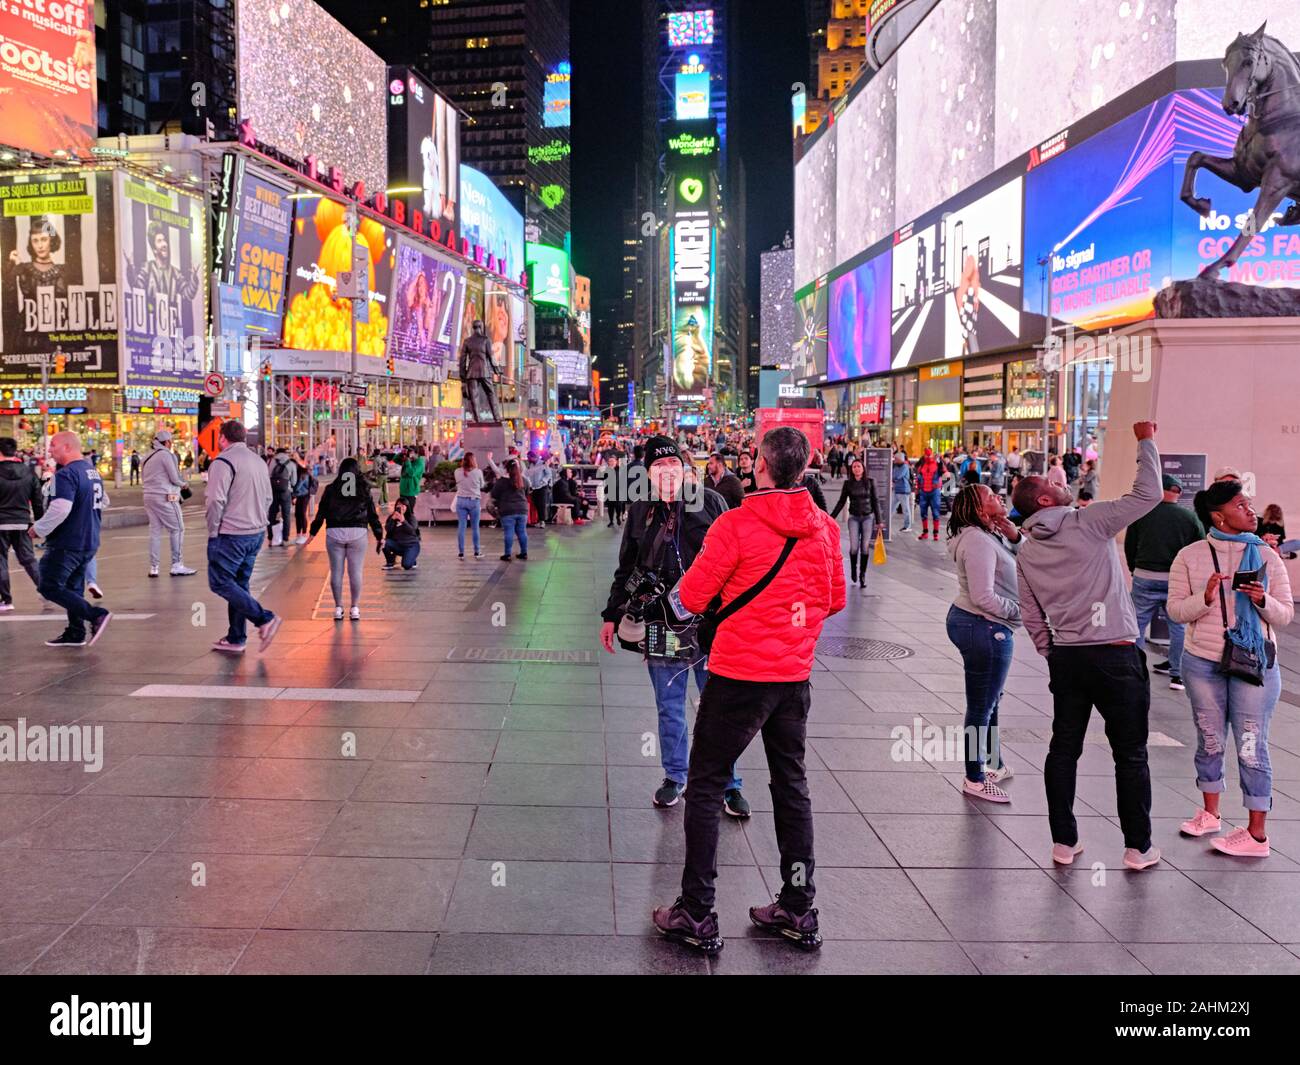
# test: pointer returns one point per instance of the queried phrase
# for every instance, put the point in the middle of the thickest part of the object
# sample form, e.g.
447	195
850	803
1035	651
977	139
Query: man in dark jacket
662	536
20	506
724	482
401	538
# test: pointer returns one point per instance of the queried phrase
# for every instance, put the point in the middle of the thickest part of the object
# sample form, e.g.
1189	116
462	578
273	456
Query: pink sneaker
1201	825
1064	855
1240	844
985	790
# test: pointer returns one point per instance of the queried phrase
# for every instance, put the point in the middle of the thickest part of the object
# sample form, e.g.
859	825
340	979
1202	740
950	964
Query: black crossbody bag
1238	661
715	613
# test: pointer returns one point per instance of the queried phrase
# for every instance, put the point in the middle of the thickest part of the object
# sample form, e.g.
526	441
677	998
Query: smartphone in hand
1249	576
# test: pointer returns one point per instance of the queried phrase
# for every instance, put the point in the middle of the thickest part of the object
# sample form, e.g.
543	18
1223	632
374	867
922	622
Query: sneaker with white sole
355	613
1064	854
66	640
300	540
1162	667
1201	825
338	613
182	570
153	571
1139	860
1176	684
5	607
227	648
999	775
94	590
268	631
1240	844
985	790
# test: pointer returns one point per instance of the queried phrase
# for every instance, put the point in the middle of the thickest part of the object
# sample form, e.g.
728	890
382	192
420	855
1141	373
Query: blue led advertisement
858	326
556	107
692	96
489	220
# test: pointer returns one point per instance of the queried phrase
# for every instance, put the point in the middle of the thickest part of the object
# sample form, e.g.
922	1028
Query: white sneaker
153	571
1139	860
182	570
95	590
1063	855
999	775
300	541
1203	824
986	790
338	613
355	613
5	606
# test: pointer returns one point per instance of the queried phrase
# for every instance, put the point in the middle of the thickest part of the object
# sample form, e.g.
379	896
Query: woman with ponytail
1202	597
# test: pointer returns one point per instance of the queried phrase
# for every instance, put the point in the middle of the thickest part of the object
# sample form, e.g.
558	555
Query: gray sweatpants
164	515
346	546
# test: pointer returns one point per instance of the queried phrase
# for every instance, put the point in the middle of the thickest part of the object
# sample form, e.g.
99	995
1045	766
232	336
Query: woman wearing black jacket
859	492
347	508
401	539
510	497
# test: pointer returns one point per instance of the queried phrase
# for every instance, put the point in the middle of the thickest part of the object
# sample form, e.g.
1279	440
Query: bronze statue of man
477	369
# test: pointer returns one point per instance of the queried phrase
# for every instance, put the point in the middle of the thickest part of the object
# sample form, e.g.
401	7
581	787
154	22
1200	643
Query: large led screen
310	88
254	217
776	314
808	359
692	96
425	308
858	321
489	220
557	109
319	320
47	76
550	274
694	263
864	213
814	210
424	150
957	284
687	28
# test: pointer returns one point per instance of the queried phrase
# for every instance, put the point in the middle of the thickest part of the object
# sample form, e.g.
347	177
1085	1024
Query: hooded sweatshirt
774	637
20	496
1073	590
986	575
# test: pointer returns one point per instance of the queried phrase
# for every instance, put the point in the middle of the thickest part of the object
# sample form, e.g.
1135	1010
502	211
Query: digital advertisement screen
858	321
776	314
557	110
317	319
694	257
474	306
692	96
686	28
310	88
254	218
162	233
424	149
808	359
425	308
957	282
58	276
507	327
489	220
550	274
572	368
47	76
814	210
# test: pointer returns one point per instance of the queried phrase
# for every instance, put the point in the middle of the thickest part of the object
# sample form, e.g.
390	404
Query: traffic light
266	372
391	367
60	362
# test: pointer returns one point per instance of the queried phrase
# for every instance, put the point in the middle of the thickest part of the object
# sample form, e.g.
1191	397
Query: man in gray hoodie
164	488
1075	603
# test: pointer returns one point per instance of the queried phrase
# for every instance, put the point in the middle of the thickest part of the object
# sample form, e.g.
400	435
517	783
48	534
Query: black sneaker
66	640
98	626
801	929
735	803
505	558
678	925
668	794
1176	683
524	556
1161	667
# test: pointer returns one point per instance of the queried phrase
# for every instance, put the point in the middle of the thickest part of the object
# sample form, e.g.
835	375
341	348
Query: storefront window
1024	392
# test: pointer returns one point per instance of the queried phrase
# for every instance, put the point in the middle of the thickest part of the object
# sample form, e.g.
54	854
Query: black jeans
1114	679
22	547
731	713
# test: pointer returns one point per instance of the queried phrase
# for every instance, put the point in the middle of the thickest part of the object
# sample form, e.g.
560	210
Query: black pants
300	514
22	545
1113	678
615	511
280	513
731	713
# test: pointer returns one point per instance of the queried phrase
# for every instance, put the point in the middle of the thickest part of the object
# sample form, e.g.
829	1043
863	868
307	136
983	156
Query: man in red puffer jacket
759	666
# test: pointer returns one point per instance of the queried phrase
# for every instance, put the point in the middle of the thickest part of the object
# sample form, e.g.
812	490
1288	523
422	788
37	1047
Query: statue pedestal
1202	298
482	437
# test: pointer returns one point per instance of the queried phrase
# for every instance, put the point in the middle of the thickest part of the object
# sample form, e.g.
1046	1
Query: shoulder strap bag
1237	661
715	613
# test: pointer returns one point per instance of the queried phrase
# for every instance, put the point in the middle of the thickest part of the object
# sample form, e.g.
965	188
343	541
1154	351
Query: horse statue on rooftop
1263	83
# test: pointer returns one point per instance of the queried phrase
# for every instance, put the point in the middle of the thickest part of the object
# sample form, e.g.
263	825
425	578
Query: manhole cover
850	647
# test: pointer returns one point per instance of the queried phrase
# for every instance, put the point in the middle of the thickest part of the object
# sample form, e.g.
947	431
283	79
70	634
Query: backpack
280	477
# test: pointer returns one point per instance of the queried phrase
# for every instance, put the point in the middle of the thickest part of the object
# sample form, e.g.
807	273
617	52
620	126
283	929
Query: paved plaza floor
457	784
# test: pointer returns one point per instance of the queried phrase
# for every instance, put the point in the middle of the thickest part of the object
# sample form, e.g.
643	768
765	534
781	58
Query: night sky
606	49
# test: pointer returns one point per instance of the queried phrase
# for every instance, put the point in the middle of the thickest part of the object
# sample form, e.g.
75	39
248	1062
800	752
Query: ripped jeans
1219	701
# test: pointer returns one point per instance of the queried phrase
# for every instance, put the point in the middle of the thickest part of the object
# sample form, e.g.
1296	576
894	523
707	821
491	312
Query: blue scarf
1248	632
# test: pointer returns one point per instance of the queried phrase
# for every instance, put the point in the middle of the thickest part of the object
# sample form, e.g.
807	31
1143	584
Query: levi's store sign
394	210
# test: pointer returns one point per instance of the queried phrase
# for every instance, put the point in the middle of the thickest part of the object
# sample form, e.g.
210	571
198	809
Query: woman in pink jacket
1201	597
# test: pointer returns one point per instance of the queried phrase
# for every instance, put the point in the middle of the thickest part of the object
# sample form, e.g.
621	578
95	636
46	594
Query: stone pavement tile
1096	760
637	695
481	716
1006	905
276	712
952	682
240	890
1051	959
840	840
370	674
1163	905
1217	959
1028	797
397	830
290	952
545	898
22	944
577	955
636	718
160	774
1270	901
658	836
558	694
869	904
903	793
93	822
19	811
176	738
633	785
101	950
1101	838
440	745
826	682
583	717
827	795
1190	853
551	748
57	886
761	954
422	782
254	826
850	669
860	755
333	743
295	778
912	703
354	715
947	841
1283	837
639	887
540	833
1099	793
479	671
52	710
847	730
366	894
498	693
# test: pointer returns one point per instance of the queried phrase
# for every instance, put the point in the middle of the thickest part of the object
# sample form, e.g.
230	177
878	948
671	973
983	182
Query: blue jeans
515	525
1219	701
861	532
230	567
407	554
904	499
1148	597
467	510
985	648
670	677
929	501
63	581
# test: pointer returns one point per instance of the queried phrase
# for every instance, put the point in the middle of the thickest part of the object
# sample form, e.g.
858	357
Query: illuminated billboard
47	76
694	254
490	221
858	321
254	217
776	315
550	282
557	110
686	28
808	358
308	87
692	96
427	291
424	151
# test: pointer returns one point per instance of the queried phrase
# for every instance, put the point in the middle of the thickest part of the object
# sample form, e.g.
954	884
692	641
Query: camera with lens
651	625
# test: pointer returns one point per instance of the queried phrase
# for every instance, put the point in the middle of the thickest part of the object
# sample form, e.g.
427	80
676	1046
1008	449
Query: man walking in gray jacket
1075	603
160	474
239	493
